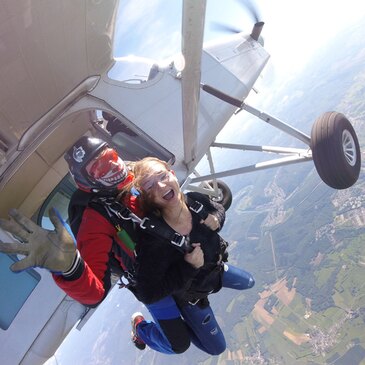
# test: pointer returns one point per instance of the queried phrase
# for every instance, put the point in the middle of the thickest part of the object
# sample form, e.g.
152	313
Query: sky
293	31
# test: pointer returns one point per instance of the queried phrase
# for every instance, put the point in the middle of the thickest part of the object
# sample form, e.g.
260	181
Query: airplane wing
192	45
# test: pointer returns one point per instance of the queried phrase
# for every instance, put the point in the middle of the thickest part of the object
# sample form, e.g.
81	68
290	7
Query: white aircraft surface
56	71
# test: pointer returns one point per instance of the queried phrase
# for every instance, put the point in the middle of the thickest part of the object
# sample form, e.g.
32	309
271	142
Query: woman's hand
211	221
195	257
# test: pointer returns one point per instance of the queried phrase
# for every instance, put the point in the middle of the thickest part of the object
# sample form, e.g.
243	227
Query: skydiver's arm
89	282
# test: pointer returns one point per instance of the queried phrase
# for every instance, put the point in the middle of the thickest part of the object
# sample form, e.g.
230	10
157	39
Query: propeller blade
220	27
192	43
252	9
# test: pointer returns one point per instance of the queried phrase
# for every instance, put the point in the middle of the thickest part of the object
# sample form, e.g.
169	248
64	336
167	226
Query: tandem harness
118	214
152	224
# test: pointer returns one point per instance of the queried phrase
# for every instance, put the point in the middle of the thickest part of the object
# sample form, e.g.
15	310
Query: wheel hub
219	196
349	147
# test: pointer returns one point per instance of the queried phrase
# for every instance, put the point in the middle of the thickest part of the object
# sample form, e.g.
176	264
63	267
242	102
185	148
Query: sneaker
135	320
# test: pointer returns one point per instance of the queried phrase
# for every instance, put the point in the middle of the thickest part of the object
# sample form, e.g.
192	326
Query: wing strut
192	44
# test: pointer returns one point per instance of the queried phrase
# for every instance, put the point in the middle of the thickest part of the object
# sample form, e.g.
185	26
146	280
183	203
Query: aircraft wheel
336	150
224	194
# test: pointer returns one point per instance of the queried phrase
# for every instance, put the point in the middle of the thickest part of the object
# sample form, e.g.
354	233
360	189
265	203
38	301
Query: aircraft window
18	286
131	145
15	289
59	199
133	70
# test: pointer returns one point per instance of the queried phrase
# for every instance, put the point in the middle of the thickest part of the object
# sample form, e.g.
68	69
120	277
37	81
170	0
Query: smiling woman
173	280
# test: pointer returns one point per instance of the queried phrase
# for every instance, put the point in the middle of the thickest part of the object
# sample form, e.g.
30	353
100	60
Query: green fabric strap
125	238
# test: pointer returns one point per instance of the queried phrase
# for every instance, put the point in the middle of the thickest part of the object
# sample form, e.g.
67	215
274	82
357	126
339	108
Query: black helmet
79	155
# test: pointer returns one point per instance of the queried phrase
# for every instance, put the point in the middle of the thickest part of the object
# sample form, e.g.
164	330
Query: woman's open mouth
169	195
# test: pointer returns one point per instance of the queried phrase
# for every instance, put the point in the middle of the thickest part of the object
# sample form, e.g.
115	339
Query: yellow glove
52	250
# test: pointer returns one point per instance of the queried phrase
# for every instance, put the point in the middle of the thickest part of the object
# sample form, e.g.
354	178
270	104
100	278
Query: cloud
135	15
148	29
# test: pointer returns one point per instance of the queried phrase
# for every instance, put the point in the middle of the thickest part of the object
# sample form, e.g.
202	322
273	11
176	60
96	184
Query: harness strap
112	211
152	224
197	208
162	230
119	213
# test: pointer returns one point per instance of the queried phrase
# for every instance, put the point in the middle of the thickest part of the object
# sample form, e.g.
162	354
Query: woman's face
160	185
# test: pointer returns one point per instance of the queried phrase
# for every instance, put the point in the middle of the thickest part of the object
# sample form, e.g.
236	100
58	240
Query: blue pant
174	328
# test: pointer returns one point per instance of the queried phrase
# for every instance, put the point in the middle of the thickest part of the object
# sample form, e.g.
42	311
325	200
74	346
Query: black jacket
161	269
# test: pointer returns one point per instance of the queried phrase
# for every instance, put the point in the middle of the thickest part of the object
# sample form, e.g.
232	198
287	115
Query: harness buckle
118	209
124	214
194	302
141	224
178	239
126	280
196	207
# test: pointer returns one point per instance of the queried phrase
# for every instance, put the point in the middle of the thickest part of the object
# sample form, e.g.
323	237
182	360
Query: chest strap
197	208
152	224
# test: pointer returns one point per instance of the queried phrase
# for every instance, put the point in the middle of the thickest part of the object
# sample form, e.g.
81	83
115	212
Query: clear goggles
151	181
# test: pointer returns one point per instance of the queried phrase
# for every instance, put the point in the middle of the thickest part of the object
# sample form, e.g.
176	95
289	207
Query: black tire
335	150
224	194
